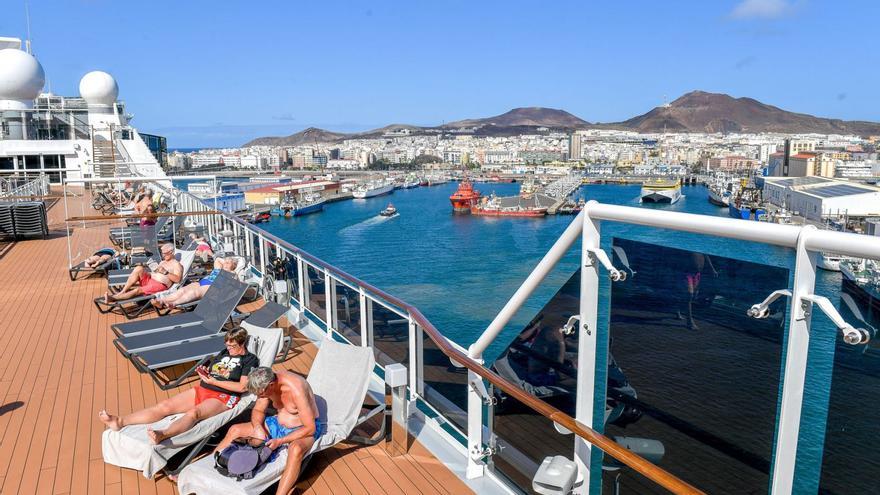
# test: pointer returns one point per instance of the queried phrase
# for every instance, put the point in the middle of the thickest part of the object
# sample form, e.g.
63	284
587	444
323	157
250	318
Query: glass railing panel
390	335
850	384
693	382
444	386
348	313
315	291
542	360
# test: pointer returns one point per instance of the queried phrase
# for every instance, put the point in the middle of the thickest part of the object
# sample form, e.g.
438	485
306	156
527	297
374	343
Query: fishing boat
747	205
410	182
661	191
719	196
571	208
309	203
528	188
373	188
465	197
493	206
389	211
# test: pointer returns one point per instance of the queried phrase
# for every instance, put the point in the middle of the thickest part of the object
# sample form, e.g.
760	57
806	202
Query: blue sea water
460	270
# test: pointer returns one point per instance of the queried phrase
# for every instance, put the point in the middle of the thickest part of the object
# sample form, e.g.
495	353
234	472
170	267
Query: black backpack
243	459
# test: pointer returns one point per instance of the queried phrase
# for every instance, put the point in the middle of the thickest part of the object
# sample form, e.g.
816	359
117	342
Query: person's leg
172	405
237	431
206	409
133	279
121	296
296	450
190	293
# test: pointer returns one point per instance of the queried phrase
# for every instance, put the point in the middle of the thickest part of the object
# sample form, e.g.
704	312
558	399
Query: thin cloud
761	9
744	62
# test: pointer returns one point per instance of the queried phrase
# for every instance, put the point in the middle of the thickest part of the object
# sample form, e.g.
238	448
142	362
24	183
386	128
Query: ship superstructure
85	136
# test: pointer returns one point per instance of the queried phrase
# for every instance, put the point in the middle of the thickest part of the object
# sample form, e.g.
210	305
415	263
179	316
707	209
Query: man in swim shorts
142	282
296	425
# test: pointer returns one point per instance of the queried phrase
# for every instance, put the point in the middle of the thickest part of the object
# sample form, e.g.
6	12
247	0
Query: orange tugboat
465	197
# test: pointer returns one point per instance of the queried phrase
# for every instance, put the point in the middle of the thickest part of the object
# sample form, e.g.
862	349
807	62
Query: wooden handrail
629	458
142	215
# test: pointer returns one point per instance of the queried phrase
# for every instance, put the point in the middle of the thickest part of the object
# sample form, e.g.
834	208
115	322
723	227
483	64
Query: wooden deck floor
58	367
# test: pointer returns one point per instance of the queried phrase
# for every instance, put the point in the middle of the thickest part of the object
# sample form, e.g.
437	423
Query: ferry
574	400
465	197
661	191
373	189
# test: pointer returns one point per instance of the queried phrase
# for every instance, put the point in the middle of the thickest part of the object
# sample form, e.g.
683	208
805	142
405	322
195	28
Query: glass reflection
542	360
317	301
445	385
850	462
390	336
693	382
348	314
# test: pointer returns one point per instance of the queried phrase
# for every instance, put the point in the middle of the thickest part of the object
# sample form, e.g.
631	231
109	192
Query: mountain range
697	111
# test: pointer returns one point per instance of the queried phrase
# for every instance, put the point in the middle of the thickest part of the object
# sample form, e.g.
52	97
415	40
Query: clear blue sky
219	73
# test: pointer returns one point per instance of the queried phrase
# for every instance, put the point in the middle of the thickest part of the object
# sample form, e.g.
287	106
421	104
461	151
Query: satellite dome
21	75
98	88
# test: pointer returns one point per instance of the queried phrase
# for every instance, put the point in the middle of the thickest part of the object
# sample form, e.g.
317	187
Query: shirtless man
141	282
295	426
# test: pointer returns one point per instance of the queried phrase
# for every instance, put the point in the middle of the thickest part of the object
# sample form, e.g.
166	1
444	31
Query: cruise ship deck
59	368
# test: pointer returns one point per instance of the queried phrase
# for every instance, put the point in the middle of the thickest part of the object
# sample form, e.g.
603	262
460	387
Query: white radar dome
21	76
98	88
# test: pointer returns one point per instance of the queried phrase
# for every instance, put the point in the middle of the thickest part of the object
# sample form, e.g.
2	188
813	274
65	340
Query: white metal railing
35	188
260	247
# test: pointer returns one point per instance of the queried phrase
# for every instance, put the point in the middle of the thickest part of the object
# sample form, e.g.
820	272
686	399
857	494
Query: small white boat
389	211
830	262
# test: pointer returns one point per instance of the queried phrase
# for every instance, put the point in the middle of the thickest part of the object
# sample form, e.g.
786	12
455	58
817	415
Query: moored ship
493	206
465	197
373	189
661	191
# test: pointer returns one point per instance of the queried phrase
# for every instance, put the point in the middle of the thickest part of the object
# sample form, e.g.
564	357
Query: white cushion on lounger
340	377
130	447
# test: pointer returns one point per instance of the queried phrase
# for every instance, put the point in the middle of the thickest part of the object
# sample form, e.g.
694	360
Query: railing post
476	466
302	277
586	370
362	302
262	255
415	361
330	301
794	376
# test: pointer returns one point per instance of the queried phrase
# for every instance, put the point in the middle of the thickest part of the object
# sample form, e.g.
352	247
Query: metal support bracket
479	387
851	335
599	254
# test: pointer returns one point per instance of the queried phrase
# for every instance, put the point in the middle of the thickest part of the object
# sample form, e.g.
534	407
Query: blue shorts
277	431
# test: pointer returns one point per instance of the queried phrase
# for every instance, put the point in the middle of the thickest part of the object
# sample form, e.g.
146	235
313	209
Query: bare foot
109	420
108	297
156	303
156	436
172	477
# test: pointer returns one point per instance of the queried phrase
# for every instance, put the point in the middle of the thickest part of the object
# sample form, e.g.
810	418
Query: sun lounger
115	262
339	377
237	273
133	307
130	447
124	236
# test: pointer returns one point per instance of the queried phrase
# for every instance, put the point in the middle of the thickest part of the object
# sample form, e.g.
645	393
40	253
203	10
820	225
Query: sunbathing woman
223	382
100	257
196	290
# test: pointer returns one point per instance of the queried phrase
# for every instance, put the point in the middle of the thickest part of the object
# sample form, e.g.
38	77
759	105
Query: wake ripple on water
363	225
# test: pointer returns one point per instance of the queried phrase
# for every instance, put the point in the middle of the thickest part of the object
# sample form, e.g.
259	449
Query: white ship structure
373	189
68	137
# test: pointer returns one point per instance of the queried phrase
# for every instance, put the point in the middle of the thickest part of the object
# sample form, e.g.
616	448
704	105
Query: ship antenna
27	17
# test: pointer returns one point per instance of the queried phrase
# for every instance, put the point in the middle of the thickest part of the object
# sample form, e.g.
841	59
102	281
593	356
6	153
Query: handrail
627	457
143	215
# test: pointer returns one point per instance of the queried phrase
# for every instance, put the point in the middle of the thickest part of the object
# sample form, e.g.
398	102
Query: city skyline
205	75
